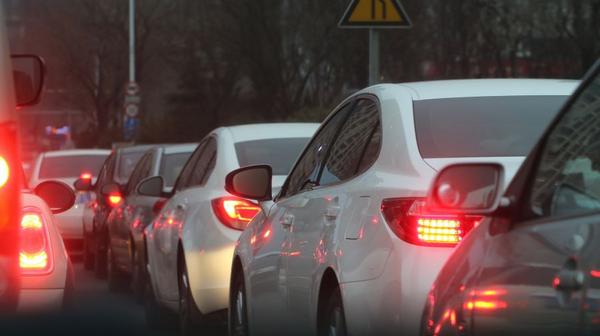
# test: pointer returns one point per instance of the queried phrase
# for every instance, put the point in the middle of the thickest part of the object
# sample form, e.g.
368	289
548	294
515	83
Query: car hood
511	164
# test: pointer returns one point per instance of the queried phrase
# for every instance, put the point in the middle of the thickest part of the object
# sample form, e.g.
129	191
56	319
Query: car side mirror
83	184
253	182
58	196
467	188
151	186
28	75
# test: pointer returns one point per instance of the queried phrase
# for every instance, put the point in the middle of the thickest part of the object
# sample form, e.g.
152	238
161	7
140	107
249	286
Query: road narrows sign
375	14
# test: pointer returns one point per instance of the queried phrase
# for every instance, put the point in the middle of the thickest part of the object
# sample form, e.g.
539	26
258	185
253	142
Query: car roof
179	148
489	87
77	152
133	149
251	132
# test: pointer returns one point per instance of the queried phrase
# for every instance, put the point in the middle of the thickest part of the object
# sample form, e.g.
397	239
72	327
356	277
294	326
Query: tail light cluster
4	171
235	212
411	222
35	253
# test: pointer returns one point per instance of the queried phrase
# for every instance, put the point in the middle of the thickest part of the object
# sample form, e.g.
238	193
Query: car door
317	212
164	272
536	273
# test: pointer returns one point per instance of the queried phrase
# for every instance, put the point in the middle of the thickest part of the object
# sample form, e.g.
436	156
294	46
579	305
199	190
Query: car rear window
70	166
127	161
482	126
280	154
171	166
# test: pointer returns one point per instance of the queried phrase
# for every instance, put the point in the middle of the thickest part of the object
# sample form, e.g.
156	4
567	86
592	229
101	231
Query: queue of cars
348	238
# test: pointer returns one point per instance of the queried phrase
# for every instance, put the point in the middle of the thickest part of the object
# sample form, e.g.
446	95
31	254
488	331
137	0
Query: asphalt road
95	311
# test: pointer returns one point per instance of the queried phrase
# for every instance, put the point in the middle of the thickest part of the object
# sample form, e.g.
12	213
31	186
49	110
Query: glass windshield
127	162
71	166
171	167
482	126
280	154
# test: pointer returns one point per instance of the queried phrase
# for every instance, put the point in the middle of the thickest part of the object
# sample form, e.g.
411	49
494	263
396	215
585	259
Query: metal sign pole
131	40
373	56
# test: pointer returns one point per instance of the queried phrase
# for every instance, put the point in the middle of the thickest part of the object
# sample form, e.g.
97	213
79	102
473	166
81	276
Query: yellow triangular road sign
375	14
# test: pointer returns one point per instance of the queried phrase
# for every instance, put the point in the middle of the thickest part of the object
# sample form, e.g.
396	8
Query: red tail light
235	212
411	223
158	206
86	176
114	199
34	254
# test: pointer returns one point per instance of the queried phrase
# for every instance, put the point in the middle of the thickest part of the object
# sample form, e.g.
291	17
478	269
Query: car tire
88	256
187	307
99	262
238	312
157	316
333	321
138	277
117	281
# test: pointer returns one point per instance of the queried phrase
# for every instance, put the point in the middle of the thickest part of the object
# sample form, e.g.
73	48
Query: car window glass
345	155
140	172
204	165
104	172
183	181
306	170
568	177
371	151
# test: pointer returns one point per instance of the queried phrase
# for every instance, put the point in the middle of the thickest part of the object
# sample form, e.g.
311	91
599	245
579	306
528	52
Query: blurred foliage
207	63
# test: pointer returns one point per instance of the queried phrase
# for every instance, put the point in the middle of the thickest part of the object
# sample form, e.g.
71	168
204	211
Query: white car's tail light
411	223
235	212
35	255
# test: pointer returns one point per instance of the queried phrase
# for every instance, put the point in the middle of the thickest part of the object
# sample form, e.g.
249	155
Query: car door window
567	179
140	172
183	181
205	164
104	172
306	171
343	160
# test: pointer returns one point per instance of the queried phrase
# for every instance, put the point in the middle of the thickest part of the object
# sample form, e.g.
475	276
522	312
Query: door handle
570	278
332	212
287	220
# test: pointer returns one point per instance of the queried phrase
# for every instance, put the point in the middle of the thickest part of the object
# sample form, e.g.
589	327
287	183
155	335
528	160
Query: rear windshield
71	166
171	166
127	161
482	126
280	154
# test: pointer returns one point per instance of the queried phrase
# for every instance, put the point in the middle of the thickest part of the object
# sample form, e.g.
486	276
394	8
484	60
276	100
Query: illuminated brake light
235	212
4	171
485	305
86	176
114	199
412	223
34	254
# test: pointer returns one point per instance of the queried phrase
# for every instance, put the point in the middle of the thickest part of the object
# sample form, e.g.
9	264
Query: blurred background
205	63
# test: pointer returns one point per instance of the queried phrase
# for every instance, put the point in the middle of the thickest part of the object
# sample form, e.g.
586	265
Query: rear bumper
40	300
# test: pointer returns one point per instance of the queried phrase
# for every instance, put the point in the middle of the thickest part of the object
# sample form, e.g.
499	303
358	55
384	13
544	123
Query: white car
46	272
190	243
67	166
347	246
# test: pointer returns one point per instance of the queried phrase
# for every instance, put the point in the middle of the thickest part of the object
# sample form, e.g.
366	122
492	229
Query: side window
567	179
205	164
103	175
357	137
183	181
140	172
306	170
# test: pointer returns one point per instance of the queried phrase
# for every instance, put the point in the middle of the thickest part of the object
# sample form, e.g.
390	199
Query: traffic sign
132	110
375	14
132	89
130	127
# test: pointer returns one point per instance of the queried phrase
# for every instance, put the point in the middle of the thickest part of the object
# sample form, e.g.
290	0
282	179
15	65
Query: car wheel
238	316
99	262
88	256
117	281
187	325
157	317
333	322
138	280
